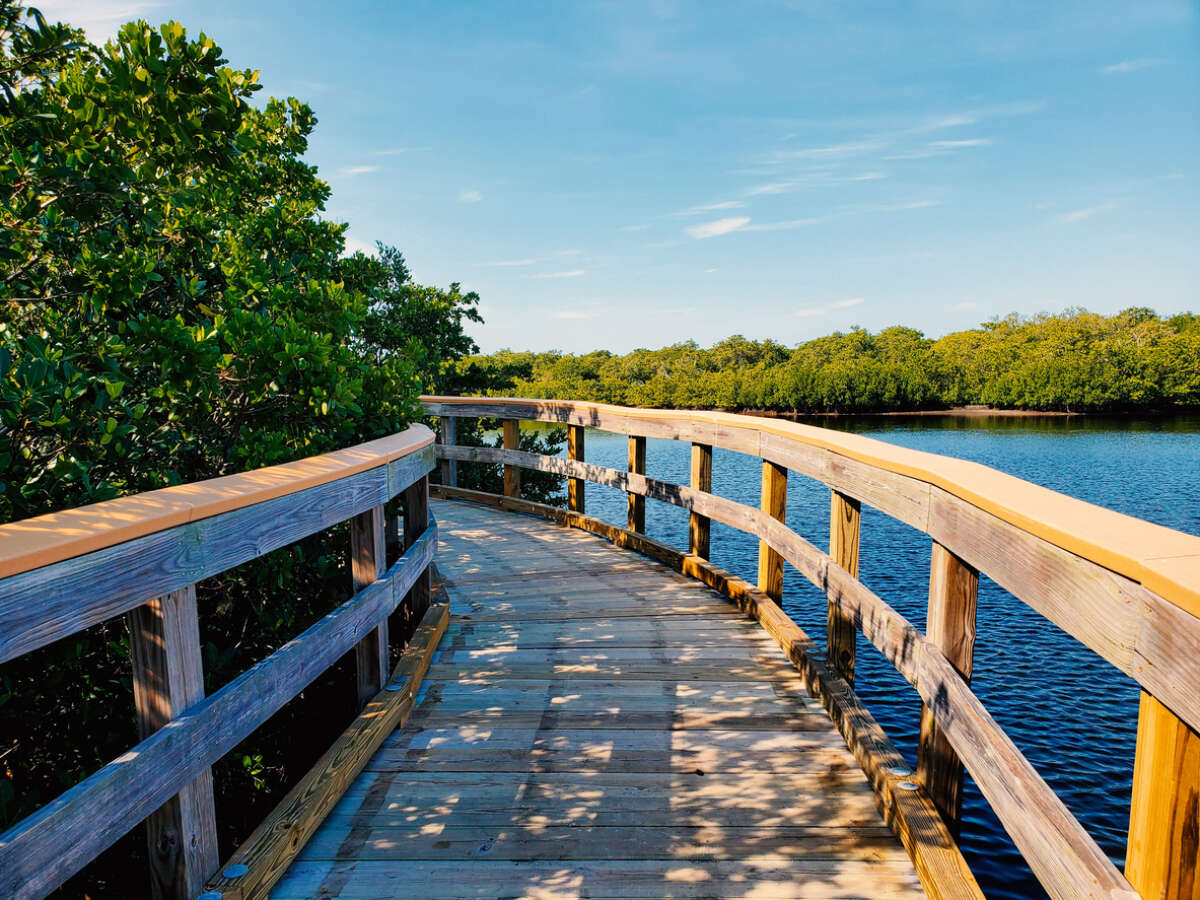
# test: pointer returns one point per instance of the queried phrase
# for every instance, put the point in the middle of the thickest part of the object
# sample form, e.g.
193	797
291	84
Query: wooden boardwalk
596	725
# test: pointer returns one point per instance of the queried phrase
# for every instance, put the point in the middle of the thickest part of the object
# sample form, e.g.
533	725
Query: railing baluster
774	504
416	520
575	501
840	632
1163	856
950	624
512	441
168	677
636	503
699	526
448	436
368	560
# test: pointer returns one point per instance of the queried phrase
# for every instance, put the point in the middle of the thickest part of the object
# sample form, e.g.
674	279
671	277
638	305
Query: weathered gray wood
368	561
950	625
168	677
699	527
636	503
265	855
448	435
43	850
416	520
46	604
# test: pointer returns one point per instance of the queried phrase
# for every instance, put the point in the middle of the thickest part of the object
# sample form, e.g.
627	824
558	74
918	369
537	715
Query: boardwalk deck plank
595	725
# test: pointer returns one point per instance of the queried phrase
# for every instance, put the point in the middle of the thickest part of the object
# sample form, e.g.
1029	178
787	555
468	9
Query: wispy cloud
514	262
355	245
351	171
633	228
966	304
709	207
1132	65
534	260
710	271
1078	215
396	151
809	311
573	273
840	213
469	196
720	226
99	18
958	145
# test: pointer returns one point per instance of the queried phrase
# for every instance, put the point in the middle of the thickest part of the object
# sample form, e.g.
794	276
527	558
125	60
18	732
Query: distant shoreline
965	412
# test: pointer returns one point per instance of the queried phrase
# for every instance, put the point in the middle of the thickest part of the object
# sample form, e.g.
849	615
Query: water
1070	713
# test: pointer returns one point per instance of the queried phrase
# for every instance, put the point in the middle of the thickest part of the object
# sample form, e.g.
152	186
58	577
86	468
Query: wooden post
512	475
448	436
575	451
699	526
416	520
1162	860
840	631
953	595
168	677
636	504
368	560
774	504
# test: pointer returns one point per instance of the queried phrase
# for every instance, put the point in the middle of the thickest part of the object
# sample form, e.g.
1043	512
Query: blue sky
615	175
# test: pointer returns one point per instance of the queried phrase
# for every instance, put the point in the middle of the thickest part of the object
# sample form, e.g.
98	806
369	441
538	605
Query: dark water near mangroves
1070	713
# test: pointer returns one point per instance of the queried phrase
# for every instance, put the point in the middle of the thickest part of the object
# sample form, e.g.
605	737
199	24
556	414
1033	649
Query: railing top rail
1162	559
43	540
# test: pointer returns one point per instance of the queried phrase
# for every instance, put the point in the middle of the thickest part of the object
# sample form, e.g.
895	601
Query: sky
612	175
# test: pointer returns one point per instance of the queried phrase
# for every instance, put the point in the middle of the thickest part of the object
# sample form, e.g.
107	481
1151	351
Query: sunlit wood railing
1127	589
142	556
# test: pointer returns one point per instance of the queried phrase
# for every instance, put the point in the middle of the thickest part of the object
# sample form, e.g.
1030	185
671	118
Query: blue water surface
1072	714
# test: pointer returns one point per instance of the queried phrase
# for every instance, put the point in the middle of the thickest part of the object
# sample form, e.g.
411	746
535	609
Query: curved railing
141	556
1127	589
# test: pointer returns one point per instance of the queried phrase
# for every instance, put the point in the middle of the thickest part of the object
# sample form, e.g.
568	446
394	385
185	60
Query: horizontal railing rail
142	556
1124	588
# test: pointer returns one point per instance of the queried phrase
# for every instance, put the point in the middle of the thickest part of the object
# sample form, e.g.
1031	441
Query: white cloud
809	311
469	196
573	273
956	145
99	18
709	271
869	176
720	226
775	187
709	207
633	228
1078	215
966	304
514	262
1132	65
396	151
351	171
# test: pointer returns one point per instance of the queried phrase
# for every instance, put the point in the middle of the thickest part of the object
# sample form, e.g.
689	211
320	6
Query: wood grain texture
1061	853
44	605
575	450
774	504
512	441
272	846
416	520
911	814
844	517
168	677
635	507
1163	856
43	850
448	436
699	526
1166	561
368	561
657	775
950	625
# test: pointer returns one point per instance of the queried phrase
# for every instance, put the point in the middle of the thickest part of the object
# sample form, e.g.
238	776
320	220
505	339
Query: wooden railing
142	556
1127	589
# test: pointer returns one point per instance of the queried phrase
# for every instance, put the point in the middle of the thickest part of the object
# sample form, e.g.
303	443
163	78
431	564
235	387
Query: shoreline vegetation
1134	361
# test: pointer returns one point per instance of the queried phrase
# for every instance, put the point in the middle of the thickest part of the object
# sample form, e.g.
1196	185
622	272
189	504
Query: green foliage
174	307
1077	361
